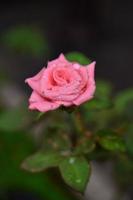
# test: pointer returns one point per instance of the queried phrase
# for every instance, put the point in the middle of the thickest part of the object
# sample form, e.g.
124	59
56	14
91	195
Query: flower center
61	76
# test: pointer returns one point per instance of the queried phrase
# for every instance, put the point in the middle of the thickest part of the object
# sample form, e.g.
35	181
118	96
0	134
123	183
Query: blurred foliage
26	40
14	147
124	103
15	119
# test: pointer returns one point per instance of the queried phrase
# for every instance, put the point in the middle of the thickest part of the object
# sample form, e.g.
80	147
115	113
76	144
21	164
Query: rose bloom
62	83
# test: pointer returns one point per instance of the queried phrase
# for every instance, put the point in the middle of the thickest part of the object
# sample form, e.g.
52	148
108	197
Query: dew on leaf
71	160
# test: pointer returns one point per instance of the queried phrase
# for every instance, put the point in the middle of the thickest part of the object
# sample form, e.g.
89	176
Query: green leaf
75	172
112	143
78	57
41	161
106	133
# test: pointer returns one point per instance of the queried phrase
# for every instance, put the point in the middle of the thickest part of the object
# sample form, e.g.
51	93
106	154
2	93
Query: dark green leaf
41	161
106	132
78	57
113	143
75	172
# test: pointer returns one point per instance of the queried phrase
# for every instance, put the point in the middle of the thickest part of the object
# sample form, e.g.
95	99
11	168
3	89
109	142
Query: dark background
103	30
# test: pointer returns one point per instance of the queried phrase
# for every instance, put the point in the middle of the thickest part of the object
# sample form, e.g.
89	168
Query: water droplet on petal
76	66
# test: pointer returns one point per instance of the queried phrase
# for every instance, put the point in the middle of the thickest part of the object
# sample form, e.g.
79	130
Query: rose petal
61	60
39	103
84	74
91	71
34	82
90	89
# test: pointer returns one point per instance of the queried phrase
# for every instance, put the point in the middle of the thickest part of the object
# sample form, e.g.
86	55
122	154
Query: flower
61	83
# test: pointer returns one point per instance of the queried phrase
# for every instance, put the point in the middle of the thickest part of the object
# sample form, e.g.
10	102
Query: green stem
78	123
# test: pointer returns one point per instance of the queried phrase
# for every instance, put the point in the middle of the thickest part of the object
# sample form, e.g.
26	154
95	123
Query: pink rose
61	83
